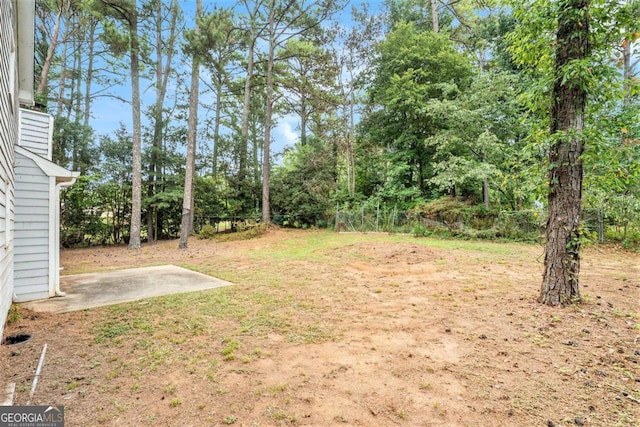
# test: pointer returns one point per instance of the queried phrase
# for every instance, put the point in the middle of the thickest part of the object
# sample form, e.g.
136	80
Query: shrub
208	232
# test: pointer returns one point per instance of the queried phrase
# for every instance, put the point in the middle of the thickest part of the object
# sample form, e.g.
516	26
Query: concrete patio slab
92	290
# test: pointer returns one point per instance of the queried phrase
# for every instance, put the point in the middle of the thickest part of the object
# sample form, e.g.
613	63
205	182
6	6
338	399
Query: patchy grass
323	328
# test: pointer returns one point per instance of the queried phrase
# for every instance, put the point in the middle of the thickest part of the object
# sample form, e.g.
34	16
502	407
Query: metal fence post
600	226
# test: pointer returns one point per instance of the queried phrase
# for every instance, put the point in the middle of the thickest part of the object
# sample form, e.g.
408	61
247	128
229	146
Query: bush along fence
522	225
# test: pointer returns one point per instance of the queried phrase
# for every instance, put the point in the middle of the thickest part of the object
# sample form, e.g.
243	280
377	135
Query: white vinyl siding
36	131
31	257
8	137
37	185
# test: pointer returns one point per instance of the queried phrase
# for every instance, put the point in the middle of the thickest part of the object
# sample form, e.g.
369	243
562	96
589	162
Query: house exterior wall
36	132
34	192
8	137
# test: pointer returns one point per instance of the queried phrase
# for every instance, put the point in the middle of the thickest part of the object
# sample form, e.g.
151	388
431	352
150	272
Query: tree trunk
187	202
84	155
351	158
303	121
75	98
63	77
53	45
244	131
266	206
89	79
216	127
162	77
562	258
136	181
627	70
485	192
435	24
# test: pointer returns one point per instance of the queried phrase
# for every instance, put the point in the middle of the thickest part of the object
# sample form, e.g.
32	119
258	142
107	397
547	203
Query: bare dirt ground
329	329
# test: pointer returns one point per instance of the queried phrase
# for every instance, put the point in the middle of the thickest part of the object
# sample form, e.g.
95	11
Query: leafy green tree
254	25
57	25
302	186
68	135
64	62
308	77
128	41
165	47
210	201
286	19
80	215
479	137
579	69
167	198
418	74
217	46
353	55
115	183
612	167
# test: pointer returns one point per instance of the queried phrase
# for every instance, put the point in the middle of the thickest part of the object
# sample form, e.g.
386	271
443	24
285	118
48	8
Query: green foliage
440	129
217	39
118	41
209	196
242	231
109	330
440	114
611	156
14	314
71	145
525	225
629	237
208	232
453	212
302	186
80	217
116	157
489	36
447	217
612	165
480	138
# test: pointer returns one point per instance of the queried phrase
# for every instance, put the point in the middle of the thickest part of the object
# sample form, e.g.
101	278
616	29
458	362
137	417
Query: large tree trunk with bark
243	191
266	153
216	128
89	79
435	24
136	181
562	259
53	45
187	203
156	178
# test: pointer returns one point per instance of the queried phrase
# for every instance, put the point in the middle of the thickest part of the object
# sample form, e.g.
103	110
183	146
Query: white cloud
284	134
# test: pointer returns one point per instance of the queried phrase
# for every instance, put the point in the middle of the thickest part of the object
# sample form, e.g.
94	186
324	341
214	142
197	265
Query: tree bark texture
89	78
187	202
53	44
435	24
246	111
562	259
163	44
266	155
63	76
136	181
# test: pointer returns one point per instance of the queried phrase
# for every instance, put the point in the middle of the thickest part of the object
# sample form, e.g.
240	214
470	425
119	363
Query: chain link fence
523	225
527	225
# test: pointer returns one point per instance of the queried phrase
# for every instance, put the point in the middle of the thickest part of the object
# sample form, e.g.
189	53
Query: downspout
56	269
